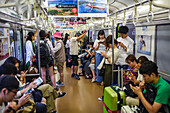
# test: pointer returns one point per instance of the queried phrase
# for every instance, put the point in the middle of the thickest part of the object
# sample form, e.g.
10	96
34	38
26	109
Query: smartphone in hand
38	81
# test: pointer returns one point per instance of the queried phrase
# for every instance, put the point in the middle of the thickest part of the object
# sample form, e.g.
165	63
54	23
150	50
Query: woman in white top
29	49
99	46
108	60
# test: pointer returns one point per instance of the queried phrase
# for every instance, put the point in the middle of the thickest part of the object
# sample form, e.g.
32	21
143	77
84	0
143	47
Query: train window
163	51
11	34
18	46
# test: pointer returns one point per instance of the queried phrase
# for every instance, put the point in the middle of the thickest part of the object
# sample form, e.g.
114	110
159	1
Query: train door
16	42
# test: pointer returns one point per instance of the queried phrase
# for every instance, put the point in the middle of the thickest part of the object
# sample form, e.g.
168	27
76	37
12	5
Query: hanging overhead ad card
62	8
78	20
92	8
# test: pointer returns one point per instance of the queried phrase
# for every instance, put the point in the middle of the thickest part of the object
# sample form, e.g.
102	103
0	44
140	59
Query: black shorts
51	63
74	60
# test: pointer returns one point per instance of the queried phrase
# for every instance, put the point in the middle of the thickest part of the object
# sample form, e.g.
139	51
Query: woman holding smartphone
99	46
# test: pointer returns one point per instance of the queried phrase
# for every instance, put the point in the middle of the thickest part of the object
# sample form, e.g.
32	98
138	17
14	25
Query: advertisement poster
60	25
62	8
78	20
4	53
92	8
1	31
144	44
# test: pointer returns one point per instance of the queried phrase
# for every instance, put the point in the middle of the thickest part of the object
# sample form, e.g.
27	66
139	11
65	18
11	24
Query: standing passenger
99	46
59	54
67	49
74	54
108	62
48	66
29	50
125	46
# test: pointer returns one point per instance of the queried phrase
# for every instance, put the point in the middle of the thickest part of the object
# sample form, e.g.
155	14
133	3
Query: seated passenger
134	100
49	93
133	72
8	89
139	79
149	70
92	68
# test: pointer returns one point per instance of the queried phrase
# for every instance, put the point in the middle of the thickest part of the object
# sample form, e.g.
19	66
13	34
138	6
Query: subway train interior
85	56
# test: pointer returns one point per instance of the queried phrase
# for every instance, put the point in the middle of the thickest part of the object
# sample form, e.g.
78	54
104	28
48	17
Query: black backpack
45	57
149	96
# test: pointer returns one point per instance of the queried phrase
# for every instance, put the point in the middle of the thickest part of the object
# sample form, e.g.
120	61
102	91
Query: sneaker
100	98
72	75
61	94
53	111
61	84
93	80
86	77
58	82
76	77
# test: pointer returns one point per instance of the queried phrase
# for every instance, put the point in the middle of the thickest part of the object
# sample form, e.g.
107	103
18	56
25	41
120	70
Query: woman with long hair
99	46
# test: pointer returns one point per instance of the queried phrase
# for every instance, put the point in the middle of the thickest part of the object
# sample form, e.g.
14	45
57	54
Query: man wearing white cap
59	54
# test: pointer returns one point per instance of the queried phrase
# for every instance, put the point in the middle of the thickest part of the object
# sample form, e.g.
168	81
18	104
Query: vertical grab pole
112	51
121	77
38	41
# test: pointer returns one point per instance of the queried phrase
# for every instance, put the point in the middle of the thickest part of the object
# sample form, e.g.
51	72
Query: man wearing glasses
8	89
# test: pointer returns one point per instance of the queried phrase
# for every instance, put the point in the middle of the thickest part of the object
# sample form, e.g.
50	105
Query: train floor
82	95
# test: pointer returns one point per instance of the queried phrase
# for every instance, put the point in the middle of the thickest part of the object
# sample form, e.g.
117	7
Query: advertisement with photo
1	31
62	8
92	8
78	20
60	25
4	52
144	44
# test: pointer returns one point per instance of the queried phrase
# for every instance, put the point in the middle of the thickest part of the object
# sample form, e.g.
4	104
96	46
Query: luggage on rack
113	100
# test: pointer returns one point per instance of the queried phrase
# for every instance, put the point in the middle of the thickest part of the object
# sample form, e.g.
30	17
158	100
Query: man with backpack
149	70
46	59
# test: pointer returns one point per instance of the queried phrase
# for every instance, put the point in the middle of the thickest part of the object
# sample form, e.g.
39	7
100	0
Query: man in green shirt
149	70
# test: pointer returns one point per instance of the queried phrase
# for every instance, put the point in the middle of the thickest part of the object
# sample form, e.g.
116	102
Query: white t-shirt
73	46
109	54
2	108
101	47
128	42
67	44
140	77
29	51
